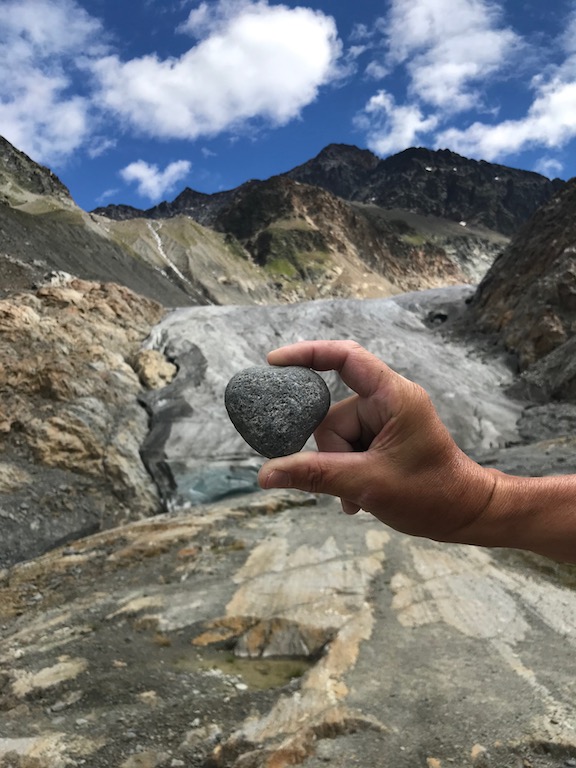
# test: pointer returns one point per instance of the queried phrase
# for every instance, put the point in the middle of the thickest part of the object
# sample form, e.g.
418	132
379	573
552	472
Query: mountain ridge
429	182
272	241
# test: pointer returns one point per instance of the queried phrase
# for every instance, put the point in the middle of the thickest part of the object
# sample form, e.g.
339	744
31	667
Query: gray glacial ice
196	454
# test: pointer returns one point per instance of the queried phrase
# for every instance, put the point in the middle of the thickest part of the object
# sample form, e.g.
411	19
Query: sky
130	101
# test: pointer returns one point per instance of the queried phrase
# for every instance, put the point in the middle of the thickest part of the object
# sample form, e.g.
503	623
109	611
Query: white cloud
451	54
253	61
376	70
391	127
40	41
549	122
39	120
258	61
448	48
447	52
99	145
106	195
568	37
549	166
151	181
48	27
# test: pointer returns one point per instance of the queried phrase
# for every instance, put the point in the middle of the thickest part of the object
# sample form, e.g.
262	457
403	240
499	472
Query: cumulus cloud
549	122
257	61
391	127
446	52
448	48
251	61
40	44
450	55
152	182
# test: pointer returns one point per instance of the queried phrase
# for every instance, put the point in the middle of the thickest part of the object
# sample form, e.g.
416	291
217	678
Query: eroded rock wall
528	297
70	421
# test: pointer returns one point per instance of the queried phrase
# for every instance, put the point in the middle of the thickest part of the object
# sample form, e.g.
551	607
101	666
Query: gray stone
275	408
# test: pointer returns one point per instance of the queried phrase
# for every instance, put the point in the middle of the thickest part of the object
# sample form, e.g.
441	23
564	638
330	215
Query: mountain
42	230
433	183
345	224
417	219
428	182
421	217
244	632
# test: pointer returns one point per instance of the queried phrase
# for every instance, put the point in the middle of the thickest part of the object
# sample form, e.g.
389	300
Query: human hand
385	450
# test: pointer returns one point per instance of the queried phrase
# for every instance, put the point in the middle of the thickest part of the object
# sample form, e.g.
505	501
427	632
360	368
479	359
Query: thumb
338	474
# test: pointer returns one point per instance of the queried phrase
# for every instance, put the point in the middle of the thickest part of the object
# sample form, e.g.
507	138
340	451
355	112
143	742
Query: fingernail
278	479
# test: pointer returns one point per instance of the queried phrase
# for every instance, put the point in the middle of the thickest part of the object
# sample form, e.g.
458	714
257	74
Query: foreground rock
277	631
194	452
70	421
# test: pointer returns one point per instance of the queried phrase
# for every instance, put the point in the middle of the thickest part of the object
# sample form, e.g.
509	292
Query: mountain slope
301	232
428	182
42	230
528	297
304	212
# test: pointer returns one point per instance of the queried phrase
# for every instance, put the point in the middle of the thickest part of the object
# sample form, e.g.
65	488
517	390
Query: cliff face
21	179
528	297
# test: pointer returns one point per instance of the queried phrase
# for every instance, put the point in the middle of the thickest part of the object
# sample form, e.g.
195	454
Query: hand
385	450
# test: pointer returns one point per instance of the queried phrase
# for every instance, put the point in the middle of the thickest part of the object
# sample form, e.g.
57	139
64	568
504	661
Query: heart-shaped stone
276	408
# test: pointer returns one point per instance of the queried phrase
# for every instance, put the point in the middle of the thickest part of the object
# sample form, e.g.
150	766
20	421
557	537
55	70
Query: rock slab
276	409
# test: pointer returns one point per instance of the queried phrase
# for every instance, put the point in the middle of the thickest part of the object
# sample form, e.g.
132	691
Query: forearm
532	513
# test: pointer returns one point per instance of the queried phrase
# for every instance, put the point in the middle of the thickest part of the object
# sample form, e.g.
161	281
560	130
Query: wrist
530	513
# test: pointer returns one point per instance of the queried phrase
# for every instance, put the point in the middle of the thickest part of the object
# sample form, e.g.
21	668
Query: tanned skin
386	451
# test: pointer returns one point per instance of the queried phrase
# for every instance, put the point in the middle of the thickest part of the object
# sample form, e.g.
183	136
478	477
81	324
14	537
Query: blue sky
129	101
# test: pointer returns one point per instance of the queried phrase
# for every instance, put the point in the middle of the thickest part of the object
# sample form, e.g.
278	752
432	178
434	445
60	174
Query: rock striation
71	425
272	631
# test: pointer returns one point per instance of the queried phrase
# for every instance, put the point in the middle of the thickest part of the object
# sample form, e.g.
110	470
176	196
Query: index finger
362	371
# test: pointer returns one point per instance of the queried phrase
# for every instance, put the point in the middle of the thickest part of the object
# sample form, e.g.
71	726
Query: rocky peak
432	182
418	180
199	206
340	168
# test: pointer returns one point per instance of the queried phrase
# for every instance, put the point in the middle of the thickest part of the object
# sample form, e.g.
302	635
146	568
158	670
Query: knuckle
316	476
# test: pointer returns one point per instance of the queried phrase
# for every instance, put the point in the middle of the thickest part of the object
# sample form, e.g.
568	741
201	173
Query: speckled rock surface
276	409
